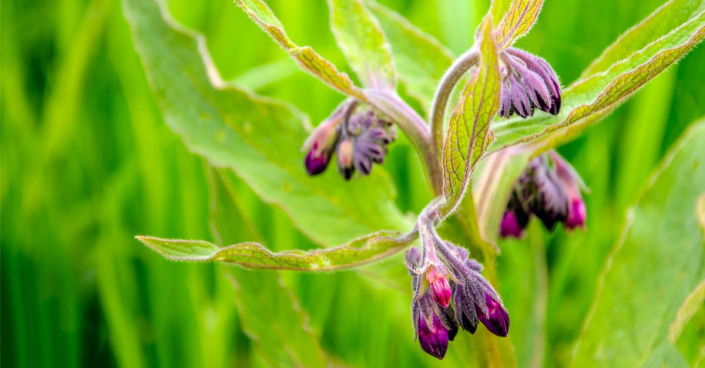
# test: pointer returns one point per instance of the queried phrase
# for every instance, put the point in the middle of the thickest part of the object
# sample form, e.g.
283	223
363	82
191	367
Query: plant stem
440	101
413	125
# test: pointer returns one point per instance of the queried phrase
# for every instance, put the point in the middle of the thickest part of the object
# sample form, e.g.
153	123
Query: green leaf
258	138
361	251
361	39
588	100
270	314
656	264
420	59
669	16
701	213
519	19
308	59
690	306
468	134
499	8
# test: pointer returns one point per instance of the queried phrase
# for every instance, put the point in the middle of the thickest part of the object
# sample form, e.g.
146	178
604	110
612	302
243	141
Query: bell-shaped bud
465	309
494	316
320	146
439	286
528	82
433	336
572	183
577	214
510	226
345	152
515	218
476	301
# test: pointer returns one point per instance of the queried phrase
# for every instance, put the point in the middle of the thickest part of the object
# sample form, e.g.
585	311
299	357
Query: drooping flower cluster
442	273
359	139
528	83
549	188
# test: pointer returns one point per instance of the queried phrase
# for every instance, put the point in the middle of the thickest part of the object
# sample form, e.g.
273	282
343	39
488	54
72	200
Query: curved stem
413	125
440	101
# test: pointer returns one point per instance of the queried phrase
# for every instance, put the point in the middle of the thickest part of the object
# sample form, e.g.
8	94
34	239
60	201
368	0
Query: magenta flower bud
494	316
515	218
433	336
577	214
320	145
440	288
510	226
528	82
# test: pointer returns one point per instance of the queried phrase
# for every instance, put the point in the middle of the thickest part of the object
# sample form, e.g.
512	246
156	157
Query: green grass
87	163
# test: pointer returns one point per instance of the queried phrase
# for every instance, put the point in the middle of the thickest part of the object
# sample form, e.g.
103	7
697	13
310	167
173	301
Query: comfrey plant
500	137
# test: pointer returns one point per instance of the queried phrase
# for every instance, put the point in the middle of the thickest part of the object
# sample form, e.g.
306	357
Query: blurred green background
87	163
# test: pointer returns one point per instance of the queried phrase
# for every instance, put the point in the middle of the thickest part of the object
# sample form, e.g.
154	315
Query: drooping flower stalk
457	279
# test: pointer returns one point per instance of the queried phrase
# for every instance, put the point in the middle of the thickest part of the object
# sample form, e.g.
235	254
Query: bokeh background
88	163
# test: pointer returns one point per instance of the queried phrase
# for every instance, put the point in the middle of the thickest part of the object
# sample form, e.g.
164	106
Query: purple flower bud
577	213
433	337
465	308
368	137
321	144
440	288
515	218
528	83
494	316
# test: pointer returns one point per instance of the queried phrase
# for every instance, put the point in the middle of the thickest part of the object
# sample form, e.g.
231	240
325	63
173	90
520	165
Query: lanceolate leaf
521	17
499	8
655	266
420	59
358	252
468	134
360	38
308	59
586	101
664	19
260	139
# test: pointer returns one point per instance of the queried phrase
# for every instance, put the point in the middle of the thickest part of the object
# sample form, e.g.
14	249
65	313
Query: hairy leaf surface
588	100
669	16
307	58
469	134
258	138
361	39
358	252
519	19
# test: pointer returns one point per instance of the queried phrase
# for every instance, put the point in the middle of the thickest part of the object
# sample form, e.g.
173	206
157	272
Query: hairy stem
413	125
440	101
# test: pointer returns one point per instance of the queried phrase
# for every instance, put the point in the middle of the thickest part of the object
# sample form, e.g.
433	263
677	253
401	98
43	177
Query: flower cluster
528	83
449	292
359	139
549	188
